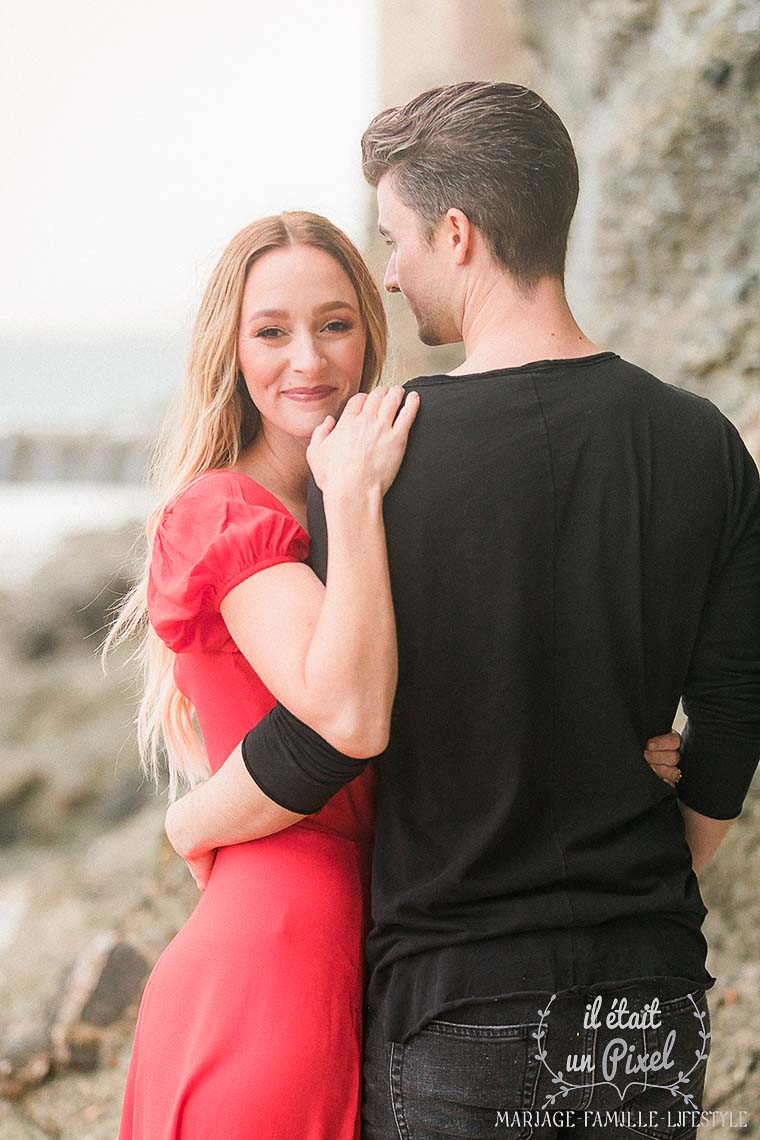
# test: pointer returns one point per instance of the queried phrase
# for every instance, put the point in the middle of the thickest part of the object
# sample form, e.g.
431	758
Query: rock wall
663	102
662	99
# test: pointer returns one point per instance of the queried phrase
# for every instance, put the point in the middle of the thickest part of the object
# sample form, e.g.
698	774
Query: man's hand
662	755
179	833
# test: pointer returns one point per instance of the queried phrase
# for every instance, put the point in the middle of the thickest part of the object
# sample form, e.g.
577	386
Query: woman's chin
303	428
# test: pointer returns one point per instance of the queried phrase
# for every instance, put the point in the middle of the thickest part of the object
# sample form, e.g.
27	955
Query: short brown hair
497	152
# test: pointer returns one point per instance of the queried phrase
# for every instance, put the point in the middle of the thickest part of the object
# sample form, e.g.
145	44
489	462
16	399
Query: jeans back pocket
669	1108
465	1081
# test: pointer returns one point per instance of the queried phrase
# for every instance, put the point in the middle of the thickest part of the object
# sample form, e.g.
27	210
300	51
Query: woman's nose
307	357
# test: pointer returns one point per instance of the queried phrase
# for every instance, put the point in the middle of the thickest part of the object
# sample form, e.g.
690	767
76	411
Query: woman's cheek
354	362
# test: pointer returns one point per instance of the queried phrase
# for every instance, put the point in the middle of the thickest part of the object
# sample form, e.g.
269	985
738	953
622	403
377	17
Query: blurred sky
137	138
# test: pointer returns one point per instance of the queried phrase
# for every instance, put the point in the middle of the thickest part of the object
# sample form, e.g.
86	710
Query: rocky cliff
662	100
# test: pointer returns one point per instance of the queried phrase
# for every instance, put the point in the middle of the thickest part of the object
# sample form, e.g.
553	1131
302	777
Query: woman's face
301	338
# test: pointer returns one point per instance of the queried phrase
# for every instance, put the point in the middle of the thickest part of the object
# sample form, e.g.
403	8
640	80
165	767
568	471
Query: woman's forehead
298	276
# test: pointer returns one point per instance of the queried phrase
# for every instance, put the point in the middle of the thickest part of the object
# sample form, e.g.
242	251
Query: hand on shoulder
364	449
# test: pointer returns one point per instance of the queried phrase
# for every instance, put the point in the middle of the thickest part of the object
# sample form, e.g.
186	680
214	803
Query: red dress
250	1024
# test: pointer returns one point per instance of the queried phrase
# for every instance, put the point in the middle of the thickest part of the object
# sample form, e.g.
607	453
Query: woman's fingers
666	759
384	403
376	398
663	756
406	416
321	431
201	867
367	444
389	404
669	775
670	742
356	404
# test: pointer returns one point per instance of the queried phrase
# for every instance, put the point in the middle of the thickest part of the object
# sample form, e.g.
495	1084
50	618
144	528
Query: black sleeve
317	524
293	765
290	762
721	742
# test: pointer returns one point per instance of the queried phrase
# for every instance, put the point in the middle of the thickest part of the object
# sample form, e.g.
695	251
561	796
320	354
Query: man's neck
502	328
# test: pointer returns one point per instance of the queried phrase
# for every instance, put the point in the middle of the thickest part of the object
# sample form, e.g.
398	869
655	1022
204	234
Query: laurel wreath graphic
566	1086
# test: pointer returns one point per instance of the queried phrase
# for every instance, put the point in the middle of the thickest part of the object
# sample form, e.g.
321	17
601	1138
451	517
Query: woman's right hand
663	755
200	861
364	449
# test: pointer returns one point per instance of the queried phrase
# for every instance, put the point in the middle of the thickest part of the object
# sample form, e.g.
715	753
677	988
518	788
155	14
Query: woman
250	1024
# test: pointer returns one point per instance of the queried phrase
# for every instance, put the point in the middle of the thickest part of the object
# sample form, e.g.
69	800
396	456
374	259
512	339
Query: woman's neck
278	462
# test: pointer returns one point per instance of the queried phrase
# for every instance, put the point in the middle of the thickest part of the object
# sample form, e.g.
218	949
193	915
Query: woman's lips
307	395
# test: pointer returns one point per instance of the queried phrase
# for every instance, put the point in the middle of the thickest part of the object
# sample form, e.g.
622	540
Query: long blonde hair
213	422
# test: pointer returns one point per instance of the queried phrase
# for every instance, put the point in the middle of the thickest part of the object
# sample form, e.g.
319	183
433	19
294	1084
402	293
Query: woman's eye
270	333
338	326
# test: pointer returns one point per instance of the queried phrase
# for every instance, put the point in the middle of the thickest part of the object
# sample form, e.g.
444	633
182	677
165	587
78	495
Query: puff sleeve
214	534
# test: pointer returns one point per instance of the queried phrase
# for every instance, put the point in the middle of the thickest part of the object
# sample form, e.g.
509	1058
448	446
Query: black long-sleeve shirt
574	546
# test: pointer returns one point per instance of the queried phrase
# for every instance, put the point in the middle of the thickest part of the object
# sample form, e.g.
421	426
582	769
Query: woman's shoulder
213	500
219	485
227	505
219	529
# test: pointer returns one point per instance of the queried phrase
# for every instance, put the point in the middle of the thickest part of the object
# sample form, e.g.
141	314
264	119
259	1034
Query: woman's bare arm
227	808
328	653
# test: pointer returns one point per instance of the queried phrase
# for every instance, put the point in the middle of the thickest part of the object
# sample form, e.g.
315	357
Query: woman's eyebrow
266	313
281	314
329	306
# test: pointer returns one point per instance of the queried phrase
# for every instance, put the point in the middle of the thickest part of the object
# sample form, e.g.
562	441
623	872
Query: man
574	546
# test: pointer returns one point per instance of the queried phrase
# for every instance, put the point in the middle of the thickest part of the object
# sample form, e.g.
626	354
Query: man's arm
721	740
703	835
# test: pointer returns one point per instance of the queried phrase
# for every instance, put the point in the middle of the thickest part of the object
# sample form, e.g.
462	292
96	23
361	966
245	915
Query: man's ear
459	235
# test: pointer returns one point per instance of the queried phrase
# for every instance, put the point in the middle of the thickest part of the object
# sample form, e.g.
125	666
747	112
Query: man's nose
307	357
390	280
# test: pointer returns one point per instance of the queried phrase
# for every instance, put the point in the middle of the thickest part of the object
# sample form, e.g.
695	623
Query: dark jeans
518	1068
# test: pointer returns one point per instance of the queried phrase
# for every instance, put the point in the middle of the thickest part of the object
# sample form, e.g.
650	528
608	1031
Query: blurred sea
102	383
34	517
77	417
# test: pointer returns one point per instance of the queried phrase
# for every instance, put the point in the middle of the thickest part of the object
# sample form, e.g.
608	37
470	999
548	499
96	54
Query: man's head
485	167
